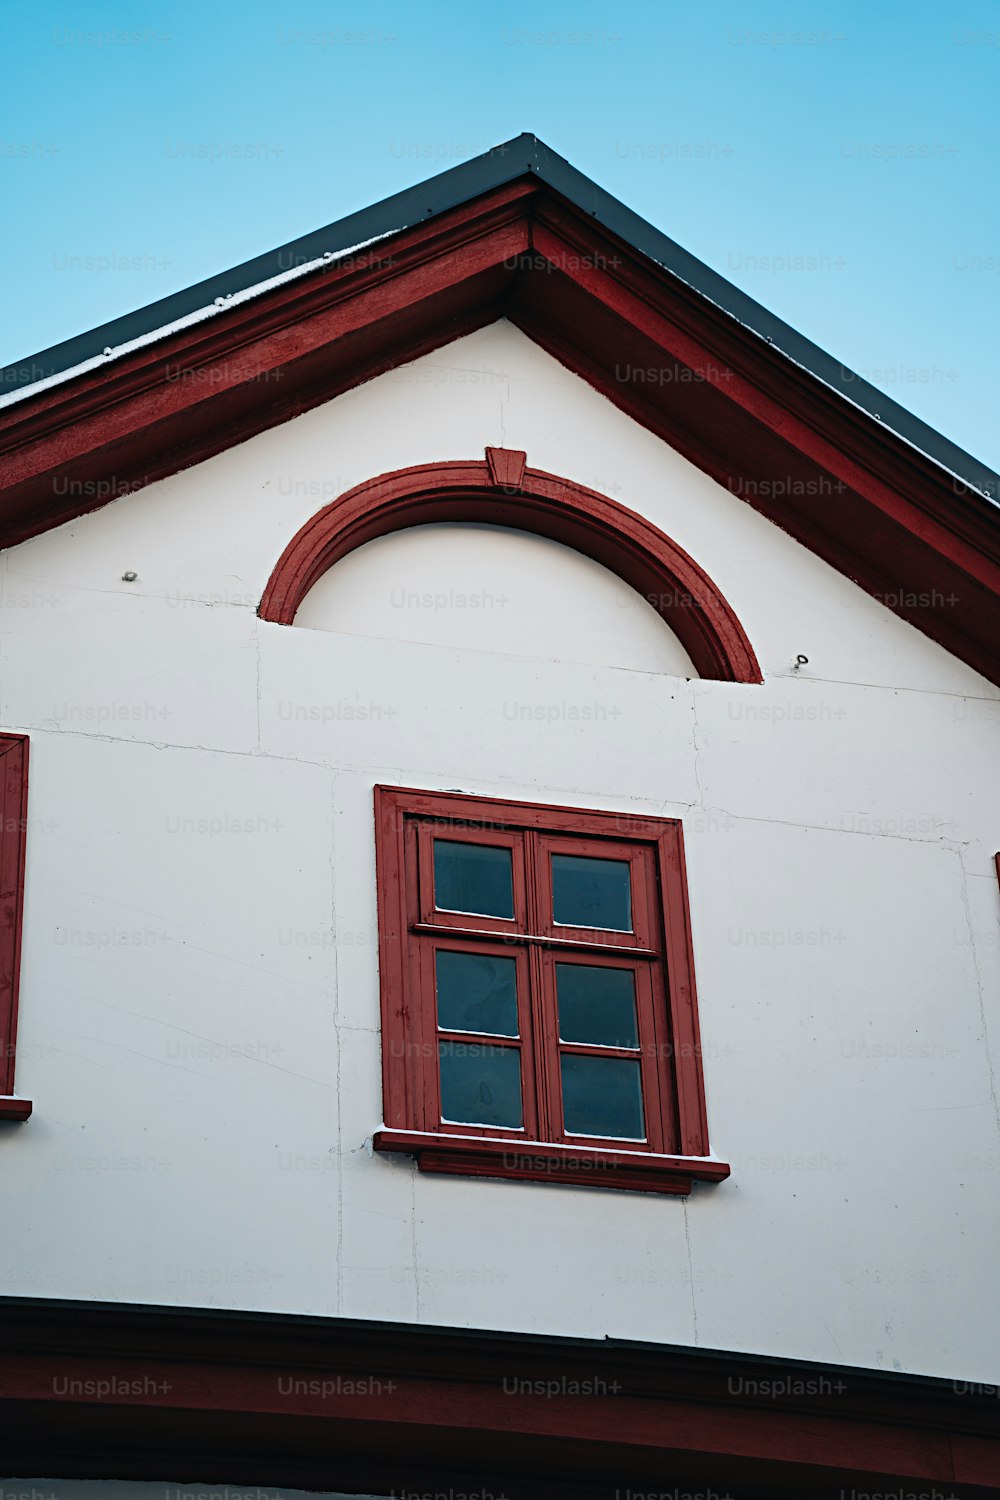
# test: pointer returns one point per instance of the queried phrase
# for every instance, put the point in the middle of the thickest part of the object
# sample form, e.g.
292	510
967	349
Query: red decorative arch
501	492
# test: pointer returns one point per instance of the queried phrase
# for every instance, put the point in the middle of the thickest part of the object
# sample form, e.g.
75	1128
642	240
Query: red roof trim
855	493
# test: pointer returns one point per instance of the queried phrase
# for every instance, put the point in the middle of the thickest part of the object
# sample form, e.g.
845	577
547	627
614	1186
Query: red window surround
508	1048
13	826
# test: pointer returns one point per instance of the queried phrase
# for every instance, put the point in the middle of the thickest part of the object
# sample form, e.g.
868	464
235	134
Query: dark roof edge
503	164
433	1332
651	242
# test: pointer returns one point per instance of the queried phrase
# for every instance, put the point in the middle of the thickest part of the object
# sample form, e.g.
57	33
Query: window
538	1007
13	824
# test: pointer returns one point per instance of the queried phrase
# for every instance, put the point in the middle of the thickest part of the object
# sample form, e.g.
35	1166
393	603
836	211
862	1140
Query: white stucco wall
199	1022
491	588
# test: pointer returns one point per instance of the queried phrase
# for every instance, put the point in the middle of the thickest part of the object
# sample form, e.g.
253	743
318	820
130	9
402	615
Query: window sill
540	1161
14	1109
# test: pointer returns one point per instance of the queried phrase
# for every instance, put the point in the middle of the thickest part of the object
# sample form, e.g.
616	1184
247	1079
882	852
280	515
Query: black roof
458	185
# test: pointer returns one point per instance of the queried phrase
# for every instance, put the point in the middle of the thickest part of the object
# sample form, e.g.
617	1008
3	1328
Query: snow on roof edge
325	261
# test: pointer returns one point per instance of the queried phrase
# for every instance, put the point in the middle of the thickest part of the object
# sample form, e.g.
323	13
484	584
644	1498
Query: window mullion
421	960
546	1050
540	1006
429	1100
533	898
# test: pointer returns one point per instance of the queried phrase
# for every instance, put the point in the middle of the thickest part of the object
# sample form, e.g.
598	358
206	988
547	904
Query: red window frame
674	1150
13	839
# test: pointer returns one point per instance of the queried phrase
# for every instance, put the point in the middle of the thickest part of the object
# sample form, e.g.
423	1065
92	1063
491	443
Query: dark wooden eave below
113	1391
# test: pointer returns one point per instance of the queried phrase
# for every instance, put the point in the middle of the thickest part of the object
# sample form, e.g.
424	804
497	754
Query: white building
507	914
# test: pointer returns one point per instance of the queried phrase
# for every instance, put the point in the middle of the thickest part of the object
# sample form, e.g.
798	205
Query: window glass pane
476	992
480	1085
476	878
596	1005
602	1096
591	892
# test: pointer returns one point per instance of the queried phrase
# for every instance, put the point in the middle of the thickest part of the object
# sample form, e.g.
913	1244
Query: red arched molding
663	573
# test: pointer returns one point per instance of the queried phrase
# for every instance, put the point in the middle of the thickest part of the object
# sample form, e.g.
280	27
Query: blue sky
838	161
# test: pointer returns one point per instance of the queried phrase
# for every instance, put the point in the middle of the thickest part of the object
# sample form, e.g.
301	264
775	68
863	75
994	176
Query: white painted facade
199	1025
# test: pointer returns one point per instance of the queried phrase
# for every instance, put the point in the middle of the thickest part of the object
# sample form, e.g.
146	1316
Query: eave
92	1390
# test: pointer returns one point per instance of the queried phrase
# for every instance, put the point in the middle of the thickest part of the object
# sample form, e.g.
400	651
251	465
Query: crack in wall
332	809
695	731
687	1242
256	636
966	907
413	1240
